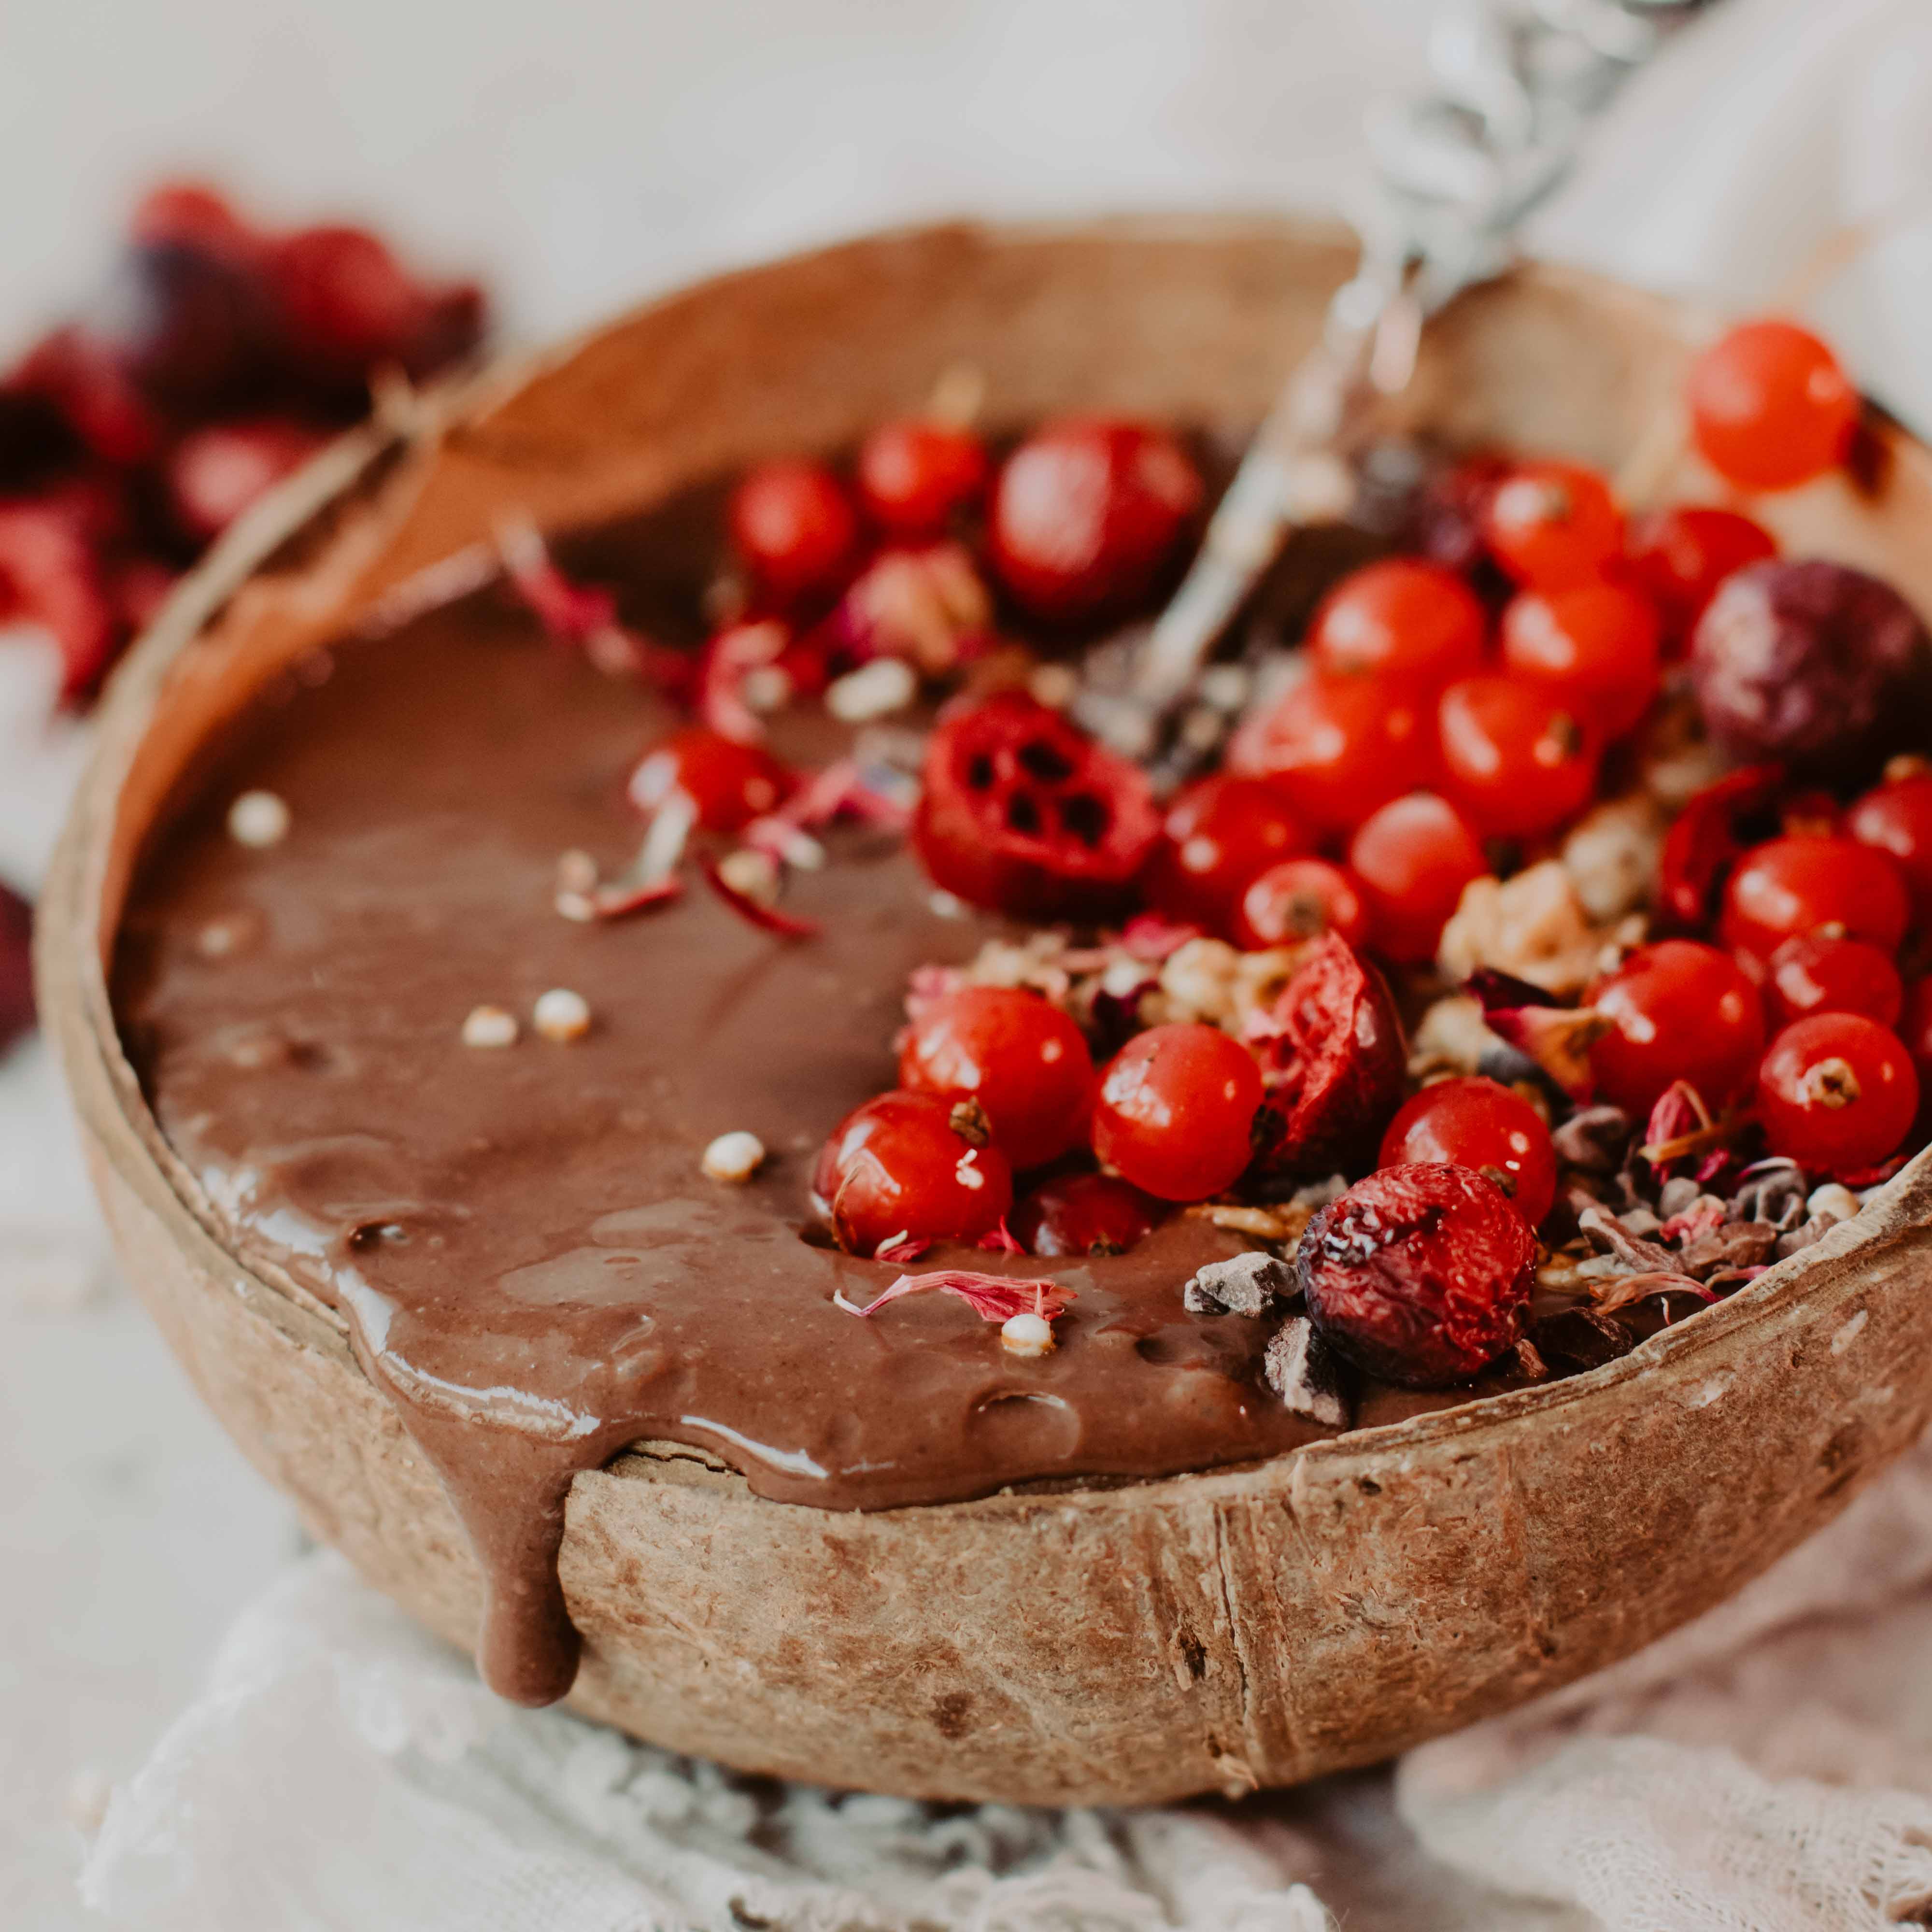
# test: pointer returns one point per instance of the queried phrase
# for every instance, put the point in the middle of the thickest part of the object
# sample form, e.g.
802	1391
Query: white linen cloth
1769	1768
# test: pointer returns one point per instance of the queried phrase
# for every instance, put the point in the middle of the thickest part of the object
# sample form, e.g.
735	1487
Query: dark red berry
911	1167
1218	837
1446	524
1175	1112
1680	556
344	303
1413	858
1898	818
1517	761
1837	1092
1481	1124
915	478
1704	840
1678	1010
730	783
1301	898
217	472
1770	407
1339	747
16	966
1412	623
1551	525
793	526
1085	1214
1021	813
88	386
1332	1054
1787	886
1594	648
1421	1273
1087	515
1822	973
48	574
1915	1028
1019	1056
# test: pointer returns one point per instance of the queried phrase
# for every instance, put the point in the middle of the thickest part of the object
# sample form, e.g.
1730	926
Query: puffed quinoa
258	819
1026	1334
490	1026
561	1015
734	1157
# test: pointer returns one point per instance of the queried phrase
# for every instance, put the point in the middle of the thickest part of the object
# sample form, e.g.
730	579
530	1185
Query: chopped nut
1834	1201
734	1157
1249	1284
1054	685
1311	1379
1198	982
875	690
561	1015
1026	1334
490	1026
1282	1225
259	819
1450	1038
1534	927
1612	855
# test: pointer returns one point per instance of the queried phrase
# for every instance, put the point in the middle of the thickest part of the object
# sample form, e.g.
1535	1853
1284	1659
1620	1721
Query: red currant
1770	407
1517	761
1085	1214
1837	1091
1297	899
1409	621
1916	1030
1019	1055
1479	1123
215	473
1551	525
1898	818
1789	886
1679	557
1176	1112
1678	1010
1086	514
730	783
900	1166
794	527
1218	836
1820	972
915	477
1341	746
1594	648
1413	858
344	302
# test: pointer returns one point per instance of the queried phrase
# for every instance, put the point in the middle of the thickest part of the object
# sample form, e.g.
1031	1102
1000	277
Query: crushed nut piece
490	1026
561	1015
1282	1225
1612	854
733	1157
1534	927
1834	1201
258	819
1026	1334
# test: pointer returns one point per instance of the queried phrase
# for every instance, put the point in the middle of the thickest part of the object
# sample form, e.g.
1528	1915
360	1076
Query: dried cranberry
1422	1273
1340	747
1678	1010
1680	556
1898	818
16	966
1333	1059
1704	841
1412	623
1085	1214
1837	1092
730	783
1019	1055
1022	814
1770	407
1481	1124
1811	663
792	523
1086	514
48	568
1825	973
911	1166
1551	525
1786	886
1299	899
1413	858
1175	1112
217	472
915	478
1218	837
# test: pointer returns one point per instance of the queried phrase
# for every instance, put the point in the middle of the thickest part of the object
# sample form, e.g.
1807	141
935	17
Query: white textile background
338	1771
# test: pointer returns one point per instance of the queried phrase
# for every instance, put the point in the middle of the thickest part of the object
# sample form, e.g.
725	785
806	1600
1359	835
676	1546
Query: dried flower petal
1559	1039
767	919
999	1240
992	1298
900	1248
1620	1291
1704	841
1149	938
729	659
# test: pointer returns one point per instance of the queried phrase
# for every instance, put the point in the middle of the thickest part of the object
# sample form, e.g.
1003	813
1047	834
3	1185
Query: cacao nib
1774	1191
1595	1140
1740	1244
1249	1284
1609	1235
1578	1339
1311	1378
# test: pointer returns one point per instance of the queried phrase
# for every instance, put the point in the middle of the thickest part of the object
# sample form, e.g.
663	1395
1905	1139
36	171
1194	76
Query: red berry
1411	622
16	966
1790	885
1678	1010
1413	858
1479	1123
1339	747
1594	648
1898	818
345	303
730	783
1086	514
1551	525
1019	1056
1300	899
899	1166
1084	1214
1679	557
793	526
1837	1091
1333	1057
1770	407
217	472
1218	837
1176	1111
1021	814
1916	1030
1422	1273
91	386
914	478
1819	972
1518	761
49	574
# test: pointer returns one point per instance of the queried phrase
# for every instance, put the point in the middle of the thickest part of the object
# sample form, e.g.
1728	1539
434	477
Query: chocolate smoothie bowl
506	1190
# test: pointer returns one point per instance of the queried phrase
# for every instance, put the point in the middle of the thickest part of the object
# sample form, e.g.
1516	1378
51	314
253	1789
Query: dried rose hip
1300	899
1086	514
1837	1091
217	472
1339	747
1413	858
1332	1057
1421	1273
1551	525
1680	556
1085	1214
1823	973
1770	407
1175	1113
1481	1124
1409	621
1811	663
1516	759
1019	1056
1678	1010
914	477
730	783
1896	818
1703	841
795	528
911	1166
1219	836
1786	886
1593	647
16	968
1021	813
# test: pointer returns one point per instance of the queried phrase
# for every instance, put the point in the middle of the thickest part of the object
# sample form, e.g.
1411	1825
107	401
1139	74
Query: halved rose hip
911	1167
1422	1273
1022	814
